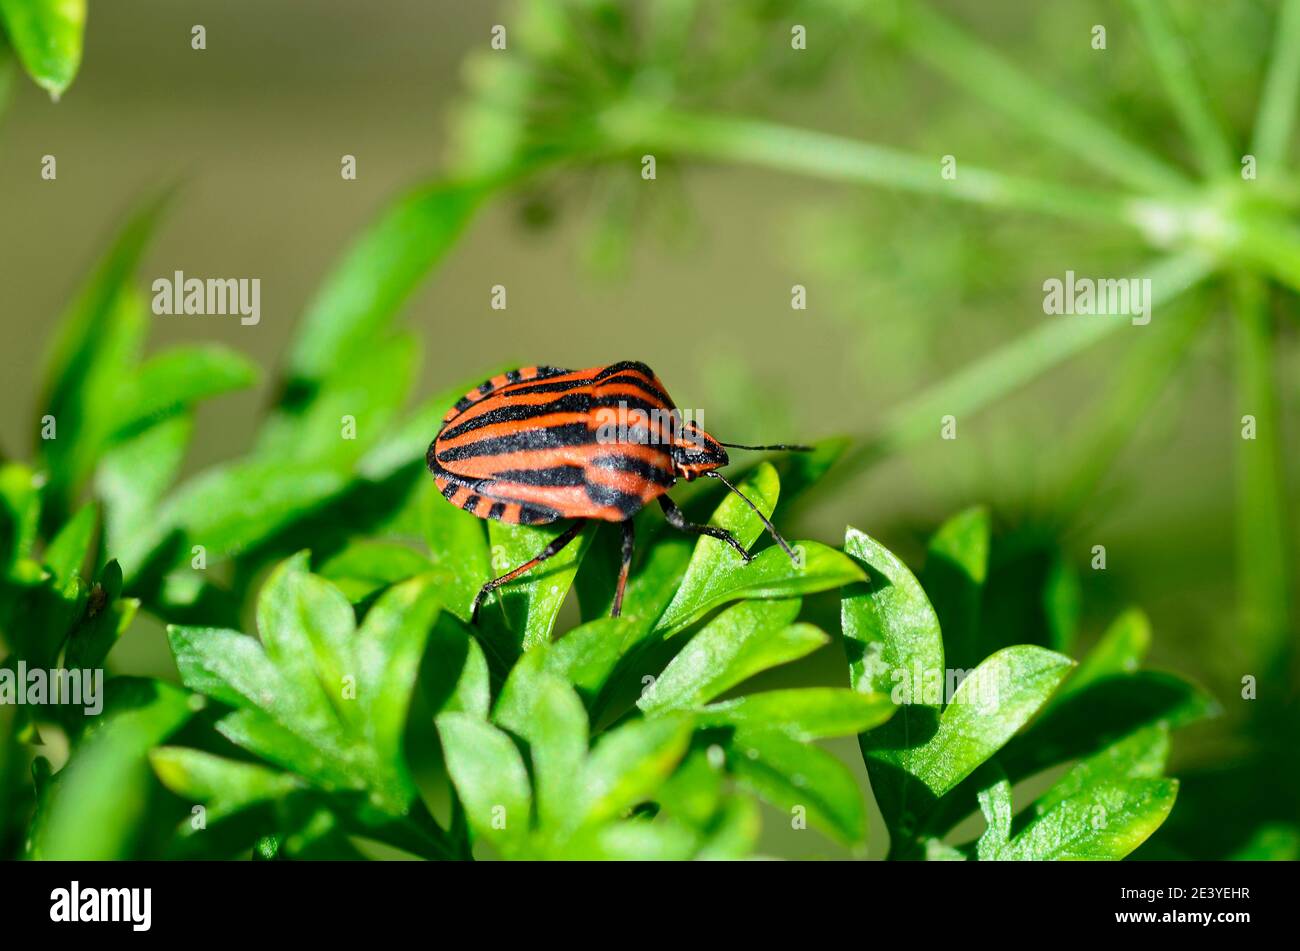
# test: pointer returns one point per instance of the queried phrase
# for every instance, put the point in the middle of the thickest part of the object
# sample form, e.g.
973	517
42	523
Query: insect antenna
732	445
771	529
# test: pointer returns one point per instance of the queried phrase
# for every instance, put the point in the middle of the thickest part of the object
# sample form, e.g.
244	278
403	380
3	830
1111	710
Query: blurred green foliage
365	713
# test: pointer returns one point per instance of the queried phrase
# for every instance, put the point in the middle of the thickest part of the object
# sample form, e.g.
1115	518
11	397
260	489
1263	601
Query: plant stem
1277	105
788	149
1189	102
1111	425
1000	373
1263	559
980	71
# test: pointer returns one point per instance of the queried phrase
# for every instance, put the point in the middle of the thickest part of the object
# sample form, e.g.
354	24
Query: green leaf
556	730
350	409
233	507
454	674
490	779
1120	651
522	613
742	641
587	655
306	626
891	635
42	617
132	476
68	551
1102	713
93	350
318	696
260	734
458	545
956	567
713	560
889	625
807	713
694	792
994	701
633	840
226	786
770	575
377	274
716	575
1097	717
96	806
661	559
106	619
366	567
47	35
995	803
233	668
20	515
1031	595
1271	842
1140	755
801	780
1105	820
389	647
629	763
177	379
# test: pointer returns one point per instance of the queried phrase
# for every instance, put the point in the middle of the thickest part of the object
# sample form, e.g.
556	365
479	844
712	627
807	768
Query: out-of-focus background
902	290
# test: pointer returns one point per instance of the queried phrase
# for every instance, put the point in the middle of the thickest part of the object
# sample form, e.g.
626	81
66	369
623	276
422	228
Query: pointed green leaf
132	476
629	763
490	779
801	780
96	807
458	545
995	803
227	786
349	410
770	575
956	567
586	655
389	646
47	35
991	705
1120	651
230	508
557	738
377	273
742	641
454	674
366	567
522	613
68	551
1105	820
178	379
307	627
807	713
892	638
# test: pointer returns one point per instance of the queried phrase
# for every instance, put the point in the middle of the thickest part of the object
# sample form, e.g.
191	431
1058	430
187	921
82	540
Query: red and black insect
540	444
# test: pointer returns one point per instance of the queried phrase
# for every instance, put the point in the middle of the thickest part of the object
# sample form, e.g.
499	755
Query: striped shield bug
540	444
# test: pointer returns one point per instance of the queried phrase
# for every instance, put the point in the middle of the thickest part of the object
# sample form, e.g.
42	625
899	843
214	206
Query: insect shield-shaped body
541	444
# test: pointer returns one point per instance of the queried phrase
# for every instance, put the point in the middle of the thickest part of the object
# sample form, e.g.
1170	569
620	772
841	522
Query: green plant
46	37
365	715
593	87
321	732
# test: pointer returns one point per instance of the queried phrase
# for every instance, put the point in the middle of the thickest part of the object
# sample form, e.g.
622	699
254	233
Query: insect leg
557	544
677	519
629	534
